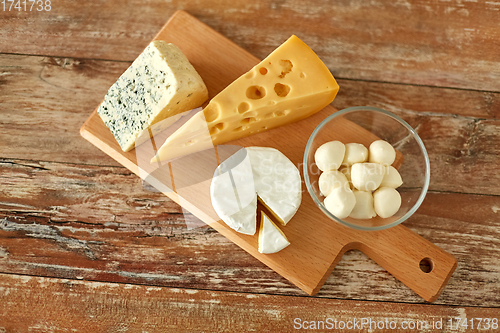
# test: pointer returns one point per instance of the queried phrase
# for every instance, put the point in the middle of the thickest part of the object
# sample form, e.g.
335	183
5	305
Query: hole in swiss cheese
256	92
281	89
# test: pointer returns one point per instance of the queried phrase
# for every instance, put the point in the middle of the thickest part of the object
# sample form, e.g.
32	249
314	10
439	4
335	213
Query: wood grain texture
452	44
425	101
317	244
96	223
46	100
58	305
68	89
53	75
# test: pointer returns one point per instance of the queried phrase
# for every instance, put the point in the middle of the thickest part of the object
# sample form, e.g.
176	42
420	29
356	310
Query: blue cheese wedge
160	84
271	238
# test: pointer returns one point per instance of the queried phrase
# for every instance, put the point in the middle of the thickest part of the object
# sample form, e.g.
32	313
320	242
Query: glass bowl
365	124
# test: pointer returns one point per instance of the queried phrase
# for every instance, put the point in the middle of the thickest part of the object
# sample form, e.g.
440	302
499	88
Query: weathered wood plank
461	149
98	223
56	305
78	221
441	43
44	125
79	193
419	99
44	102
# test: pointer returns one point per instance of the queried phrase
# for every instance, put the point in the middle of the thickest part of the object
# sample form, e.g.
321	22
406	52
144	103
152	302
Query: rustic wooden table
85	246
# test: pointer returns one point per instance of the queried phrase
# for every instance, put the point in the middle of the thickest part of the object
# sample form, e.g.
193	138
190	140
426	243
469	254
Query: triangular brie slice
271	238
291	84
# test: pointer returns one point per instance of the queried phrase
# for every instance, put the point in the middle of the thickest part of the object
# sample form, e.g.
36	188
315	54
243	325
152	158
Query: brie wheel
251	173
271	238
329	156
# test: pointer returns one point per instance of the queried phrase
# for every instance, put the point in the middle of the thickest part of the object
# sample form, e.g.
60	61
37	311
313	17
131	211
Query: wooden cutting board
317	243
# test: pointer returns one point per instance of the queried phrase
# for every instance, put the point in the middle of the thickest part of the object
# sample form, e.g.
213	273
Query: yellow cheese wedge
271	238
291	84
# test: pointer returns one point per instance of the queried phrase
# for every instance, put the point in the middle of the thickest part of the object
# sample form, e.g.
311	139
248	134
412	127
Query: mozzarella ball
382	152
330	180
329	155
346	171
386	201
355	153
392	178
363	209
340	202
367	176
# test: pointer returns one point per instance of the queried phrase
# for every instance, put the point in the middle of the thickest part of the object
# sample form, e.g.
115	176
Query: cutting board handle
419	264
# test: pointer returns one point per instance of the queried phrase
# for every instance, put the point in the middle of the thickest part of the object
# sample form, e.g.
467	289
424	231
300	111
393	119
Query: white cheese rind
277	181
159	84
252	172
271	238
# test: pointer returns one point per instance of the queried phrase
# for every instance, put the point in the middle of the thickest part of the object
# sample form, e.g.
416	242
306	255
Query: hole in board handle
426	265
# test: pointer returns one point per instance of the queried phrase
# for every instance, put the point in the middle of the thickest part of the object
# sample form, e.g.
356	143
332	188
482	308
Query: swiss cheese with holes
291	84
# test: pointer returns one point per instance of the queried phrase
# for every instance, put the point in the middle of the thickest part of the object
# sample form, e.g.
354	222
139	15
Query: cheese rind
250	173
271	238
291	84
233	193
159	84
277	182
